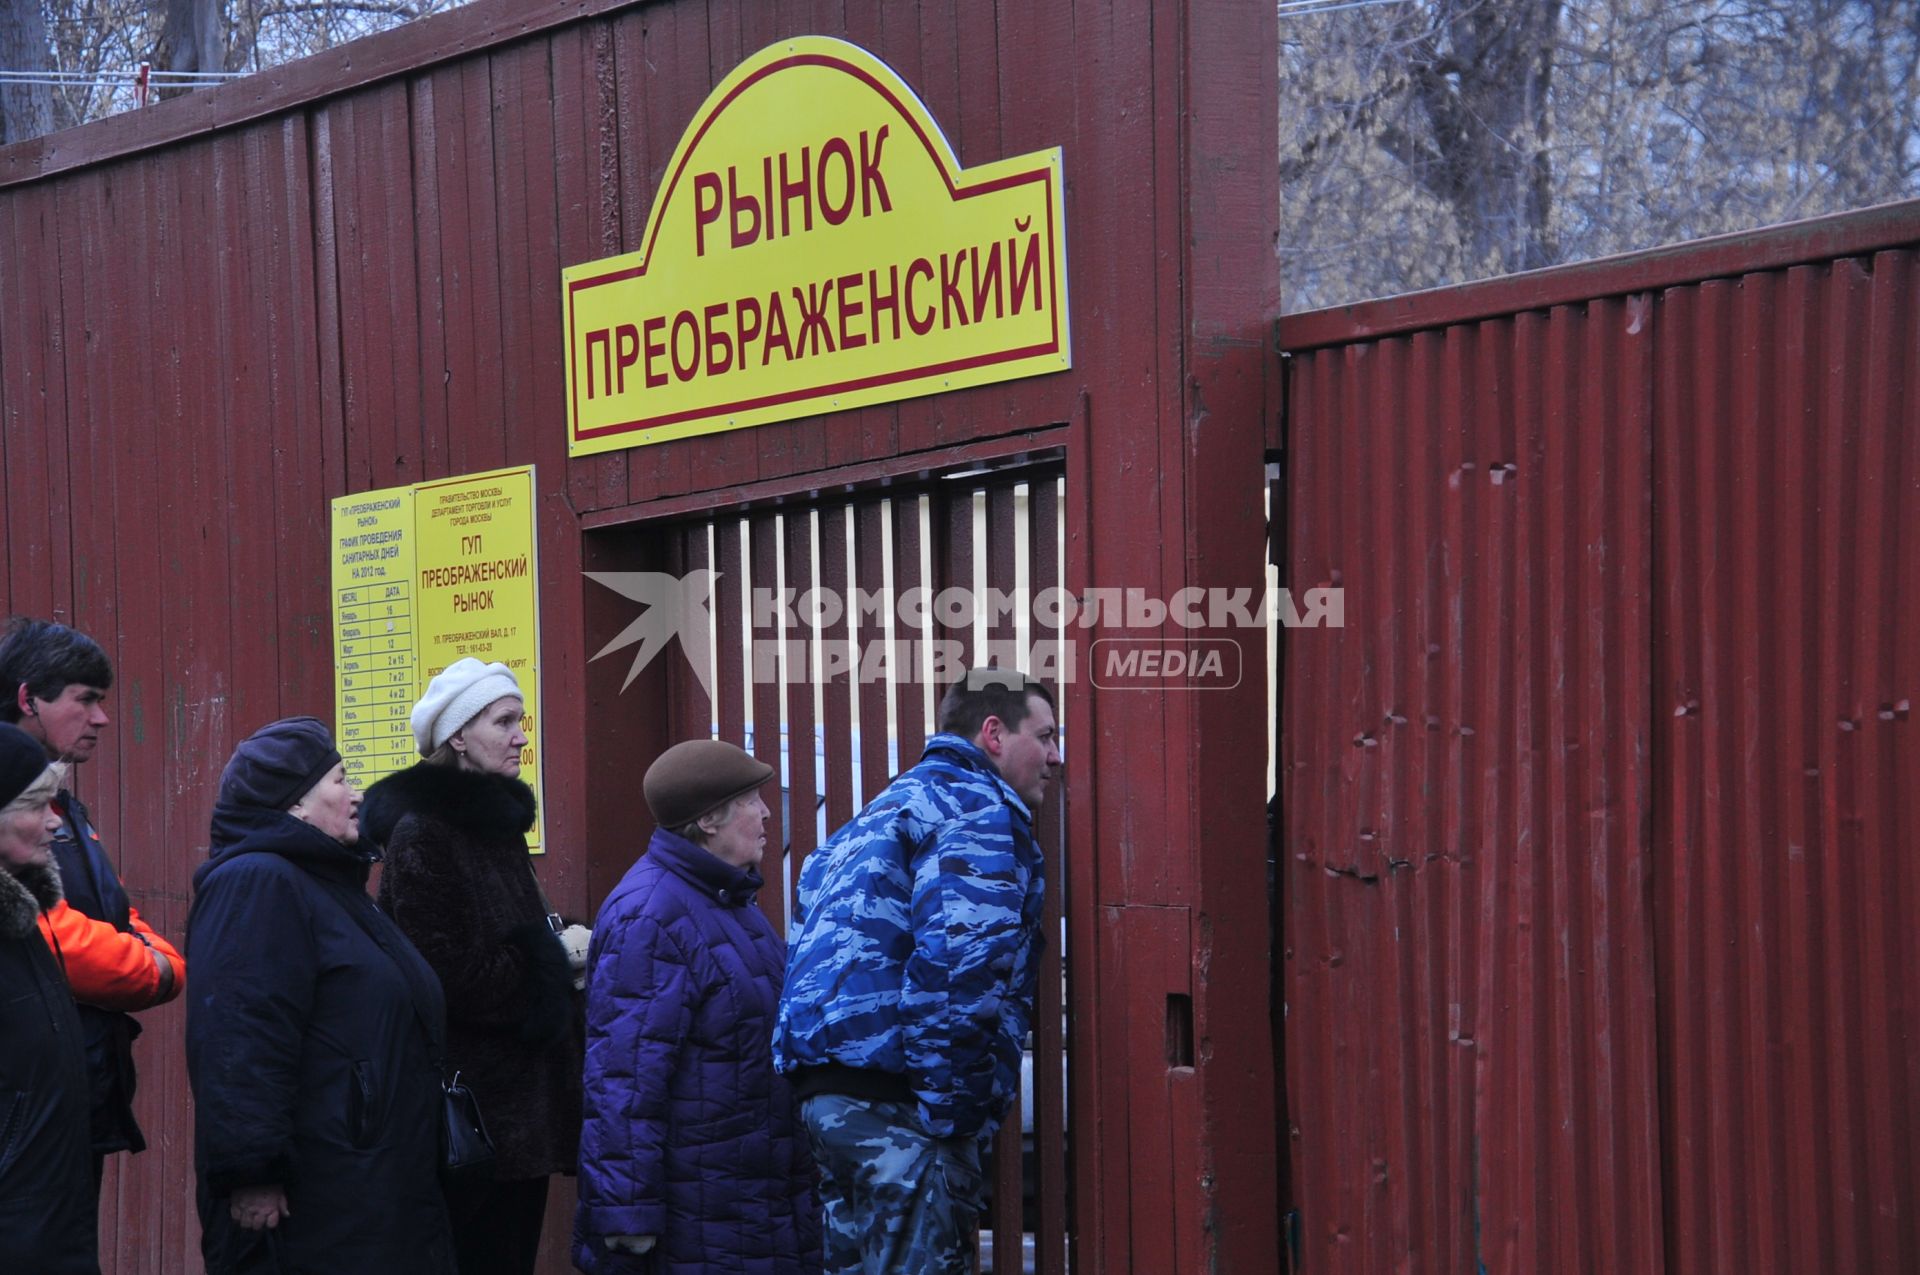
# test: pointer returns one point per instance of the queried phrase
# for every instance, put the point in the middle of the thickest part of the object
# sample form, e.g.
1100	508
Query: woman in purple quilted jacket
692	1157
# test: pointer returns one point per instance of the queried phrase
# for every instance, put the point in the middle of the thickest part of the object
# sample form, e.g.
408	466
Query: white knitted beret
455	695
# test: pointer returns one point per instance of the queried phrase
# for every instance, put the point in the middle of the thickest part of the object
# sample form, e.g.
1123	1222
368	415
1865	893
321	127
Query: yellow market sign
423	575
815	246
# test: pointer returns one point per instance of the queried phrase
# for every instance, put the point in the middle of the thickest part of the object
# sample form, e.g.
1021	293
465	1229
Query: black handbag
466	1150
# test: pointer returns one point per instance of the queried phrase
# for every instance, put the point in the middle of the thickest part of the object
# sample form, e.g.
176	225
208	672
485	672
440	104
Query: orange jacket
109	968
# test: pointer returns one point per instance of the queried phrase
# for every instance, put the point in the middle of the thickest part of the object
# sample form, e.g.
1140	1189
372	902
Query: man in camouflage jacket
911	971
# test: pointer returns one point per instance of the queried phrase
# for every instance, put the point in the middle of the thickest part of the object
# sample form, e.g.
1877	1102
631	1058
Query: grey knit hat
697	777
277	764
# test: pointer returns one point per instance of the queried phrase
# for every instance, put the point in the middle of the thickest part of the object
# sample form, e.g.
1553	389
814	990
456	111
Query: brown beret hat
701	775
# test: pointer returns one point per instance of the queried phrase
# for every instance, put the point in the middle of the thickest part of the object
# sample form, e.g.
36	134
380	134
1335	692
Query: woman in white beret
459	882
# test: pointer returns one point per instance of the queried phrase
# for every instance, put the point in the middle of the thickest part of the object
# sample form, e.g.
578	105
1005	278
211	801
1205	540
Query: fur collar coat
24	893
458	880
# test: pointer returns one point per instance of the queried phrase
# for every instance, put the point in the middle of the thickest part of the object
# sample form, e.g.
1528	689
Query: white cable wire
1313	8
95	77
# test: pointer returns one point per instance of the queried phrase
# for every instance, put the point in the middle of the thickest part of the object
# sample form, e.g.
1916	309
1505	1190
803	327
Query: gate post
1173	1084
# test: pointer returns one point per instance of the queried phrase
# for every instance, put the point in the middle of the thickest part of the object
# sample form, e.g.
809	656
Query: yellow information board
422	576
815	246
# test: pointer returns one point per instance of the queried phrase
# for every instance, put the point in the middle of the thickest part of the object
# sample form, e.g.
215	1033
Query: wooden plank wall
219	312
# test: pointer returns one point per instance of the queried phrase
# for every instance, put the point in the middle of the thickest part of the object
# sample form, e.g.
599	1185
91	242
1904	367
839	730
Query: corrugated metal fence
1598	820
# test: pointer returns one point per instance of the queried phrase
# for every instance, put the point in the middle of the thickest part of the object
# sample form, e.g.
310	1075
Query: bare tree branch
1501	134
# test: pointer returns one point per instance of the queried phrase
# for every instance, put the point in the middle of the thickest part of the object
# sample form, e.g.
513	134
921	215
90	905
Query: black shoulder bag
466	1149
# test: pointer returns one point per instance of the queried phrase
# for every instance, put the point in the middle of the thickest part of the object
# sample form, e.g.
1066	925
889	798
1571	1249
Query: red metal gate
839	697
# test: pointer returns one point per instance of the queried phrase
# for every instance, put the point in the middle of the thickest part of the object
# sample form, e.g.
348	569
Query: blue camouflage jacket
915	947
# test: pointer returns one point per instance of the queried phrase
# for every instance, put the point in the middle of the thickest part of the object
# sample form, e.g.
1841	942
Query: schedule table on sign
376	677
424	575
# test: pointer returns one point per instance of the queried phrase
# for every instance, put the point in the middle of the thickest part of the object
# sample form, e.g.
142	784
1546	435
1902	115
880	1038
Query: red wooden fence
218	312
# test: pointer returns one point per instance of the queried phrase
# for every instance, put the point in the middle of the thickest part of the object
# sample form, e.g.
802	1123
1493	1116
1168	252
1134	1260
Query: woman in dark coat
46	1161
692	1161
459	882
314	1033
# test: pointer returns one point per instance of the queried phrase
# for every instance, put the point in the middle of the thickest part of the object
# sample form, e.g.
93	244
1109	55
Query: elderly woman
459	883
46	1174
314	1033
692	1159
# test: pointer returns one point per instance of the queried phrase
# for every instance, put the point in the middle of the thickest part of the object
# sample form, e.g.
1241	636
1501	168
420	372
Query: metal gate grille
839	698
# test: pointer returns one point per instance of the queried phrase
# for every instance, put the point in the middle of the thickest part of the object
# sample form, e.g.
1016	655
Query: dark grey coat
314	1032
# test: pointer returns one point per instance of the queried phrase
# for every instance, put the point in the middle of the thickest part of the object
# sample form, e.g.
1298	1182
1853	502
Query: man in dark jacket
55	681
46	1225
913	963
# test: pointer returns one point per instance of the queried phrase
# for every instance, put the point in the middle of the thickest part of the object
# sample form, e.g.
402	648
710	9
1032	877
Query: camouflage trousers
897	1202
